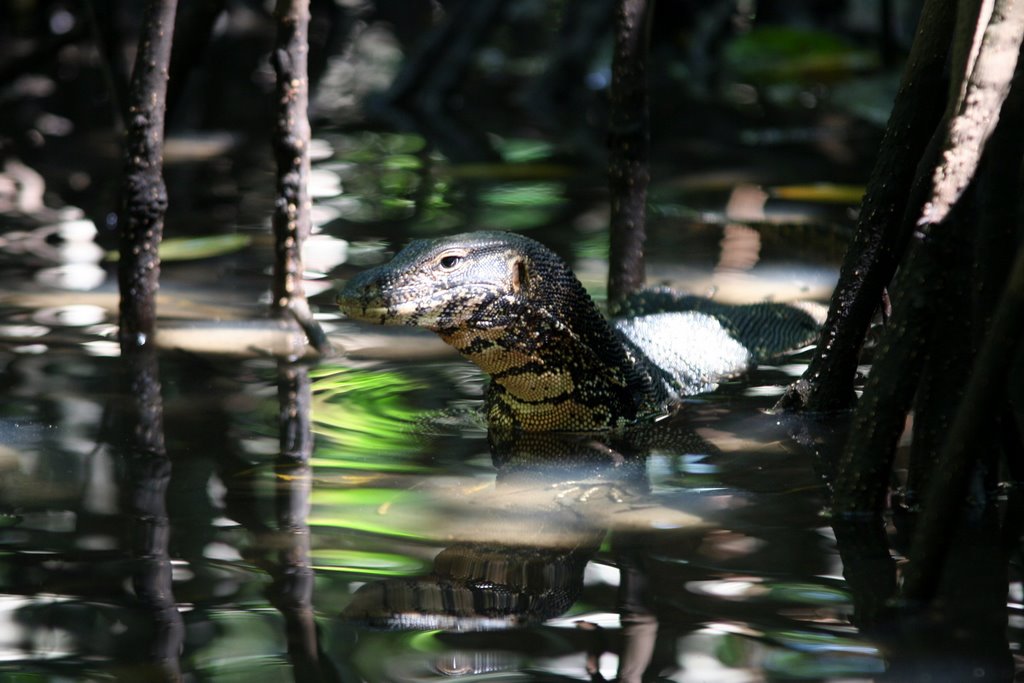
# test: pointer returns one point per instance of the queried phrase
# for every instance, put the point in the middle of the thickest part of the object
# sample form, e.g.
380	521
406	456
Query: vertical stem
628	153
145	195
292	589
149	472
983	398
865	466
142	224
883	228
291	148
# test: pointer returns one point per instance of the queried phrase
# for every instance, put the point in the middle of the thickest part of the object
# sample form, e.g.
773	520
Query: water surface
416	546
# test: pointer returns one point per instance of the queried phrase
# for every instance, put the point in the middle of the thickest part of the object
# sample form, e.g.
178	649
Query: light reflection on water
385	509
699	546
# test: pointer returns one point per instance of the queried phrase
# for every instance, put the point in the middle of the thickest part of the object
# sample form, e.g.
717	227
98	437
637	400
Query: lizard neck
547	377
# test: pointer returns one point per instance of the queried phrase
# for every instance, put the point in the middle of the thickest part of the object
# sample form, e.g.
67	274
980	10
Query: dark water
696	550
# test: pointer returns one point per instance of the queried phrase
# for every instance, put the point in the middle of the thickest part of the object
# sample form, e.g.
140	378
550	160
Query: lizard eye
449	262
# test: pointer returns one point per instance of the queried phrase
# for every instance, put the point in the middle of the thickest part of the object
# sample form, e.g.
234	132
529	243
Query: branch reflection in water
291	589
522	563
148	472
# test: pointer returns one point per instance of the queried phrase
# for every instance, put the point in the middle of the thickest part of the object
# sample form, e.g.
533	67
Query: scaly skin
515	309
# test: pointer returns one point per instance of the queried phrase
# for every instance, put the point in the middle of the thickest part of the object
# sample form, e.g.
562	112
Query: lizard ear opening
520	275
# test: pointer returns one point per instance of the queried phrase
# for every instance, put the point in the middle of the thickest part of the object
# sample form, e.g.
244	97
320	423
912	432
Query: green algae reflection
362	419
366	454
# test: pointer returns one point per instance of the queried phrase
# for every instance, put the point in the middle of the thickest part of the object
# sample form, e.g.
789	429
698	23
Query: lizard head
469	281
515	309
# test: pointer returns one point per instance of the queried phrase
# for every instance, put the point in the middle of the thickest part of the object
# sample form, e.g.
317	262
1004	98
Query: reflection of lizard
513	307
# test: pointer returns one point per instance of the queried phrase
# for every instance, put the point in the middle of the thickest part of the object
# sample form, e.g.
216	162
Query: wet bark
924	281
996	204
984	399
145	195
884	225
947	363
865	467
628	149
925	285
291	220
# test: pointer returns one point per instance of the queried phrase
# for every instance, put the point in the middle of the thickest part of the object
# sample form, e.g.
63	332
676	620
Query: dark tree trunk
141	222
886	219
292	205
925	284
984	399
145	195
292	587
628	143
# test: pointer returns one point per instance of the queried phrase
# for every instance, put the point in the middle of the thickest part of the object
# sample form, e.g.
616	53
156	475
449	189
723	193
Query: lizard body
514	308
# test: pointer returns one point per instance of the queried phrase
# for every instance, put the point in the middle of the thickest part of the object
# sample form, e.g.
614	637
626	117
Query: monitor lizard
515	309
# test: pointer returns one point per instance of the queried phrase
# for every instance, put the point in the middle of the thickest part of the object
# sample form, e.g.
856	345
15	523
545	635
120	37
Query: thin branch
145	195
291	148
628	142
